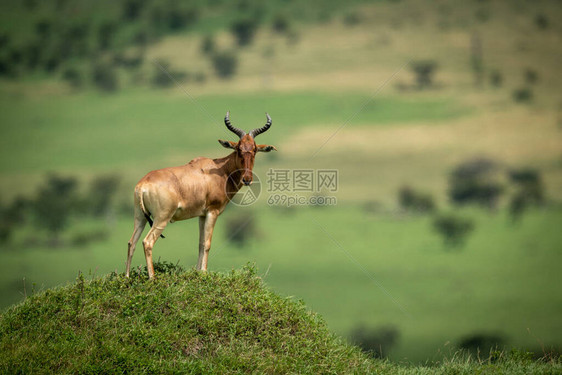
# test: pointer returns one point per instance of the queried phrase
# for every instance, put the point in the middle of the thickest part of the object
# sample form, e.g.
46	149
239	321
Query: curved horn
239	132
254	133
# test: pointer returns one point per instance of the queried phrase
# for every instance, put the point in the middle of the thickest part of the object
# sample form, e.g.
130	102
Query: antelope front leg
206	226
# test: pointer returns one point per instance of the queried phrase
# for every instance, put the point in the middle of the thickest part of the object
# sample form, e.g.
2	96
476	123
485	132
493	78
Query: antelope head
246	148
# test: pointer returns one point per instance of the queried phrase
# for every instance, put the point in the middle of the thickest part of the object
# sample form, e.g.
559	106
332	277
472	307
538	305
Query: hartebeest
203	187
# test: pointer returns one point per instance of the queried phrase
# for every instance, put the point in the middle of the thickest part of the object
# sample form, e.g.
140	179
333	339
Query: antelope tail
146	212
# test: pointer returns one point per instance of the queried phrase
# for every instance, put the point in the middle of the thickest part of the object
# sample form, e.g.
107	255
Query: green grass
143	127
191	322
503	281
181	322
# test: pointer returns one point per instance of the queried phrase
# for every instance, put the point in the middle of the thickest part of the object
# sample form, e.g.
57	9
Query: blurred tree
522	95
241	229
104	77
132	9
161	75
496	78
377	342
531	76
105	35
477	59
412	200
73	77
529	191
476	181
424	71
453	229
101	194
481	344
225	63
281	23
244	30
542	21
208	45
351	19
54	204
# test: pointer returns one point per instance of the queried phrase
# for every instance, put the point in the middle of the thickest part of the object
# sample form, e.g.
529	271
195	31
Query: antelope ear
228	144
265	148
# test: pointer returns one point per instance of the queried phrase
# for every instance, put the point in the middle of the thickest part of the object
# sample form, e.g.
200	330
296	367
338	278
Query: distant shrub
521	95
131	60
199	77
104	77
351	19
529	191
54	204
101	194
424	71
73	77
105	35
33	54
475	181
179	18
378	342
453	229
481	345
244	30
241	230
531	76
529	181
132	9
496	78
280	23
541	21
412	200
225	63
482	15
208	45
82	239
162	73
44	29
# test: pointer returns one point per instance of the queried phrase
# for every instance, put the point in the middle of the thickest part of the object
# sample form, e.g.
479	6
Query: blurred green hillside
120	88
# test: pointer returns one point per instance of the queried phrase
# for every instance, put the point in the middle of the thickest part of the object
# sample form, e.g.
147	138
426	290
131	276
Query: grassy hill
189	322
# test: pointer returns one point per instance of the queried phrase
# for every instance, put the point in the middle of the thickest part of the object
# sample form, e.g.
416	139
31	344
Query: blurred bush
161	75
244	30
424	71
496	78
54	203
529	191
522	95
104	77
73	76
476	181
281	23
453	229
378	342
481	345
240	230
100	196
351	18
541	21
415	201
531	76
225	63
208	45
